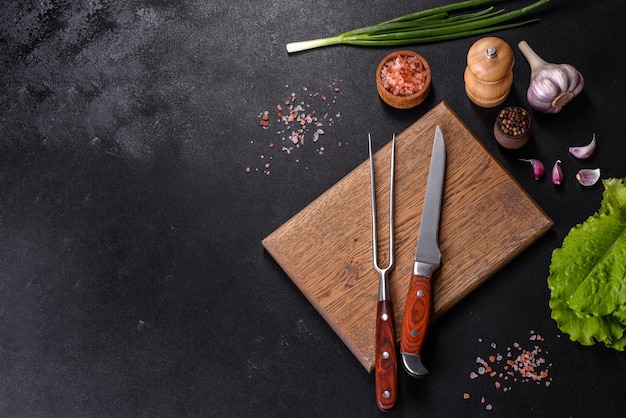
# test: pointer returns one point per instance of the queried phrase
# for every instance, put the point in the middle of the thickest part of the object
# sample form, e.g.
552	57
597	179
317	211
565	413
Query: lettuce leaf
587	277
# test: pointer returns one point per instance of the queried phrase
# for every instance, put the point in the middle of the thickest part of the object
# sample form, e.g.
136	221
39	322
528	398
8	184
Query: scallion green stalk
410	25
425	26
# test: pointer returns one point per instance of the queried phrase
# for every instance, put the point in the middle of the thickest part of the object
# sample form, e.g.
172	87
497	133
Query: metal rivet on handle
414	333
384	317
385	355
386	394
420	293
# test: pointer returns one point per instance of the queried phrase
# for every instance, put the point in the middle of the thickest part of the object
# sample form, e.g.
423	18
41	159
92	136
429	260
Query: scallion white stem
313	43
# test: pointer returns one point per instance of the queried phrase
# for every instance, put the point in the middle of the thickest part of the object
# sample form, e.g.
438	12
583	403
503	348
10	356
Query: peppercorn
513	121
512	127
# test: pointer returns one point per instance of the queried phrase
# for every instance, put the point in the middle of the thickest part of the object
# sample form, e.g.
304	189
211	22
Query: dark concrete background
132	277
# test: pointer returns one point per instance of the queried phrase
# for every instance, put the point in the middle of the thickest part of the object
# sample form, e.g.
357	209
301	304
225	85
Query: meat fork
386	363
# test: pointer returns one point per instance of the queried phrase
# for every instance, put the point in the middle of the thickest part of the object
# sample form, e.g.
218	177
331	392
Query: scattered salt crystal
298	118
526	366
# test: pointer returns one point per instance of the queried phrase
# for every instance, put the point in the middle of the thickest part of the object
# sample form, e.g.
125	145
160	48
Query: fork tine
391	207
373	197
391	201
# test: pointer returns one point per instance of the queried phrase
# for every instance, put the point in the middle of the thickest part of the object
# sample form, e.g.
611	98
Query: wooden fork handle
386	359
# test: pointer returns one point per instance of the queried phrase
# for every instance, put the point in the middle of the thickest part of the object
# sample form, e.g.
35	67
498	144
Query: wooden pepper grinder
489	72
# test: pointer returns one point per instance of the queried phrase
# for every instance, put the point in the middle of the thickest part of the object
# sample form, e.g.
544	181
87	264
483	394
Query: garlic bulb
551	86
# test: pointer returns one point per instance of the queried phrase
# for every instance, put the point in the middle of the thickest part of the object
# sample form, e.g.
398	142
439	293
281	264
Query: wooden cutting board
486	220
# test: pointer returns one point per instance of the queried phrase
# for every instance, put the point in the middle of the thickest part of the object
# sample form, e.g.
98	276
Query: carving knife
427	259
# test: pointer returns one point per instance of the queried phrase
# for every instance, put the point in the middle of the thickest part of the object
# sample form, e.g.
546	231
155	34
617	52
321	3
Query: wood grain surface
386	368
486	220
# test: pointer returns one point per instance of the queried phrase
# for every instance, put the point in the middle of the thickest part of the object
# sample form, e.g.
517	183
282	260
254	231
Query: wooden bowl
513	127
403	101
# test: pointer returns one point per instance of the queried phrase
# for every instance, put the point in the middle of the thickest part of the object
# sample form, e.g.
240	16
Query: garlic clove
538	168
557	173
588	177
583	152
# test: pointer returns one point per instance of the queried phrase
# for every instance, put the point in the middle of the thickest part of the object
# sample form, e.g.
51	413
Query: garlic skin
551	86
588	177
584	151
538	168
557	173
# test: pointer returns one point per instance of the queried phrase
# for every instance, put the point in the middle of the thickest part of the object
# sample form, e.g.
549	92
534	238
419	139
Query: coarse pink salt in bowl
403	79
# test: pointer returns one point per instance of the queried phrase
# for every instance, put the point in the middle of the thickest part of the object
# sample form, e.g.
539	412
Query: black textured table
136	184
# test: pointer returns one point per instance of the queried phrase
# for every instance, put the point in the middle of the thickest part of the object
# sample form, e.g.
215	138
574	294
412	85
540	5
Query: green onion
411	25
430	25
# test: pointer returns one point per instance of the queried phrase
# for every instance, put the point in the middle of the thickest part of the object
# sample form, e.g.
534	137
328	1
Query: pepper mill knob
489	72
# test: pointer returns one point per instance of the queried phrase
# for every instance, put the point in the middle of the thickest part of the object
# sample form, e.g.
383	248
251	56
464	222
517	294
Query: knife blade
427	259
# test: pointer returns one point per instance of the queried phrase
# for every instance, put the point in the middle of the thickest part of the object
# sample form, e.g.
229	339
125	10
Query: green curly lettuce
587	277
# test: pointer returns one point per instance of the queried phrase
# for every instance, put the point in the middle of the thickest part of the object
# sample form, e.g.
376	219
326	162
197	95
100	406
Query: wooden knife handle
386	359
416	315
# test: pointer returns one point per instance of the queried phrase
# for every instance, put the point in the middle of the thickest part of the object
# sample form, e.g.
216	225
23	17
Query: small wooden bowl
513	127
403	102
